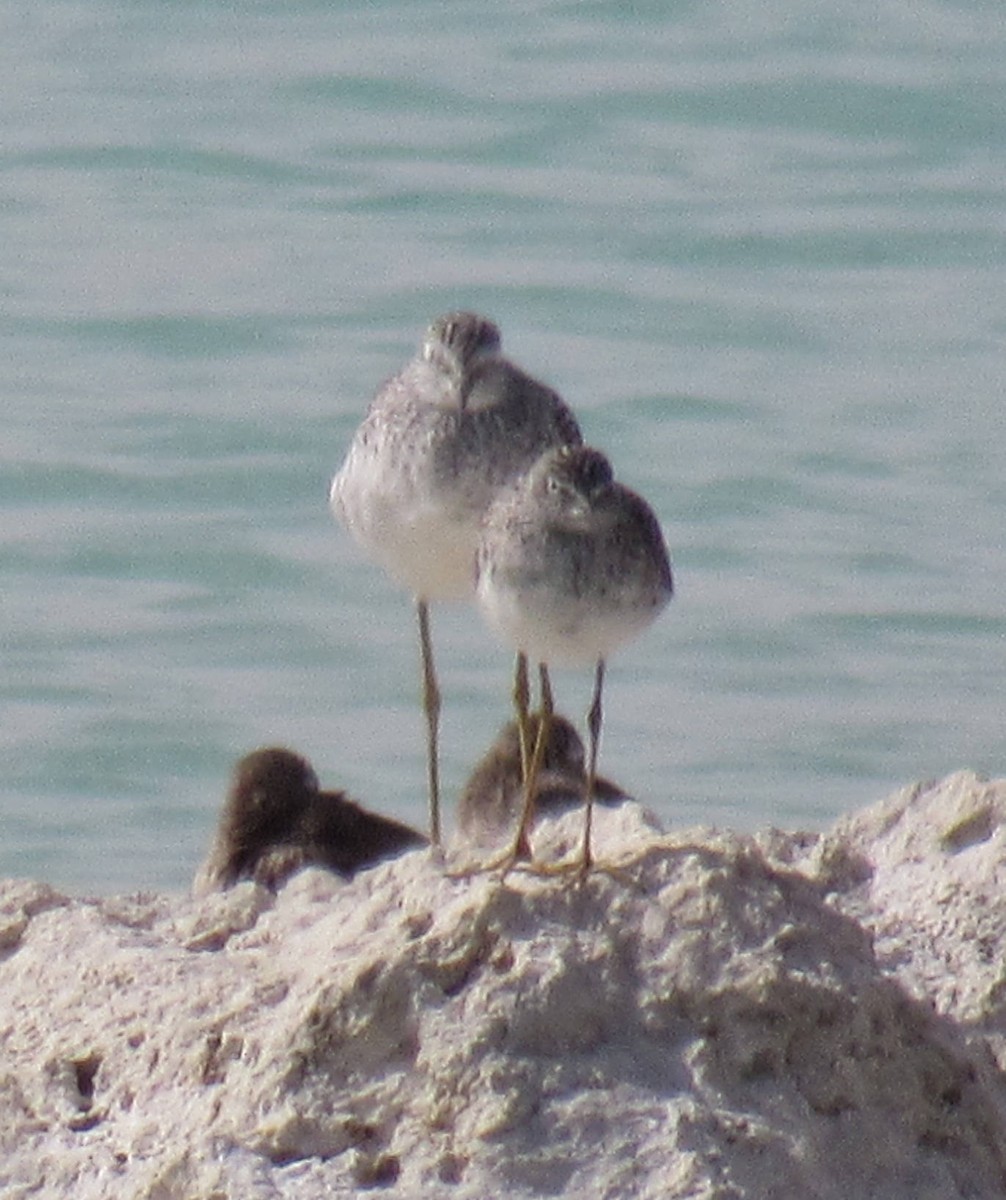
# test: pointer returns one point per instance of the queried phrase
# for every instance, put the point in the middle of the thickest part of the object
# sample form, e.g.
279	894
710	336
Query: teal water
760	248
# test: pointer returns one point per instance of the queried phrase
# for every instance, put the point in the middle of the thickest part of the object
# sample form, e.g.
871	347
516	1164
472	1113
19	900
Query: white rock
711	1023
932	887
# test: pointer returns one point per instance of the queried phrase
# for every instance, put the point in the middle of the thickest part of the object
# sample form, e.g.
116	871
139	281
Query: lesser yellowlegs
570	566
438	442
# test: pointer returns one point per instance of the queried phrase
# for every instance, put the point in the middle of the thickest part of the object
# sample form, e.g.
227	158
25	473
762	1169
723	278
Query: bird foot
576	871
513	860
573	871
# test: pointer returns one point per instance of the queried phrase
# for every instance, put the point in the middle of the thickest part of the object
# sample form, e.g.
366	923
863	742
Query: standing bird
277	820
439	440
570	565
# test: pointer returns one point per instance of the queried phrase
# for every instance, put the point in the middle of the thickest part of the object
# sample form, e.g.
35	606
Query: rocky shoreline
722	1017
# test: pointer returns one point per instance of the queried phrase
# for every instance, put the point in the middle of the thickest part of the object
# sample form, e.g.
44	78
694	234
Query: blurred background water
758	246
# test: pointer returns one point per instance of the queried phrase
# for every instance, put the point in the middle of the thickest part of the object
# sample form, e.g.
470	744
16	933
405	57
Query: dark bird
276	820
492	799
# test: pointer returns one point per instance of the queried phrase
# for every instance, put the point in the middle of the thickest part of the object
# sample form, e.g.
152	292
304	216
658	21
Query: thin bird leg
594	717
521	848
547	704
521	702
544	726
431	707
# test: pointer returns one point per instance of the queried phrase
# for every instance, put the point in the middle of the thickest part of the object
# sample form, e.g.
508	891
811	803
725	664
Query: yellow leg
431	708
594	717
521	704
581	866
521	848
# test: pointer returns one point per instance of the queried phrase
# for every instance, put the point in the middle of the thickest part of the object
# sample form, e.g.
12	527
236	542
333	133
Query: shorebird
276	819
492	799
570	566
438	442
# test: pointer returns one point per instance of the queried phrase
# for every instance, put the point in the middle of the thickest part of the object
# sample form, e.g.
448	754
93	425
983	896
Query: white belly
425	546
560	630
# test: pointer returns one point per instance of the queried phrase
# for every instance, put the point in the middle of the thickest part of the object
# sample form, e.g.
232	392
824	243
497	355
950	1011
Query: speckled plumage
571	564
438	441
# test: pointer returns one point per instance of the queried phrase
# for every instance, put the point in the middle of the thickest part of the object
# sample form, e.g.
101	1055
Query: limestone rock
722	1017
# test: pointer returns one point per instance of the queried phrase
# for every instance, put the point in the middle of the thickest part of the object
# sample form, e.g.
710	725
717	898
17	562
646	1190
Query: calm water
760	248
